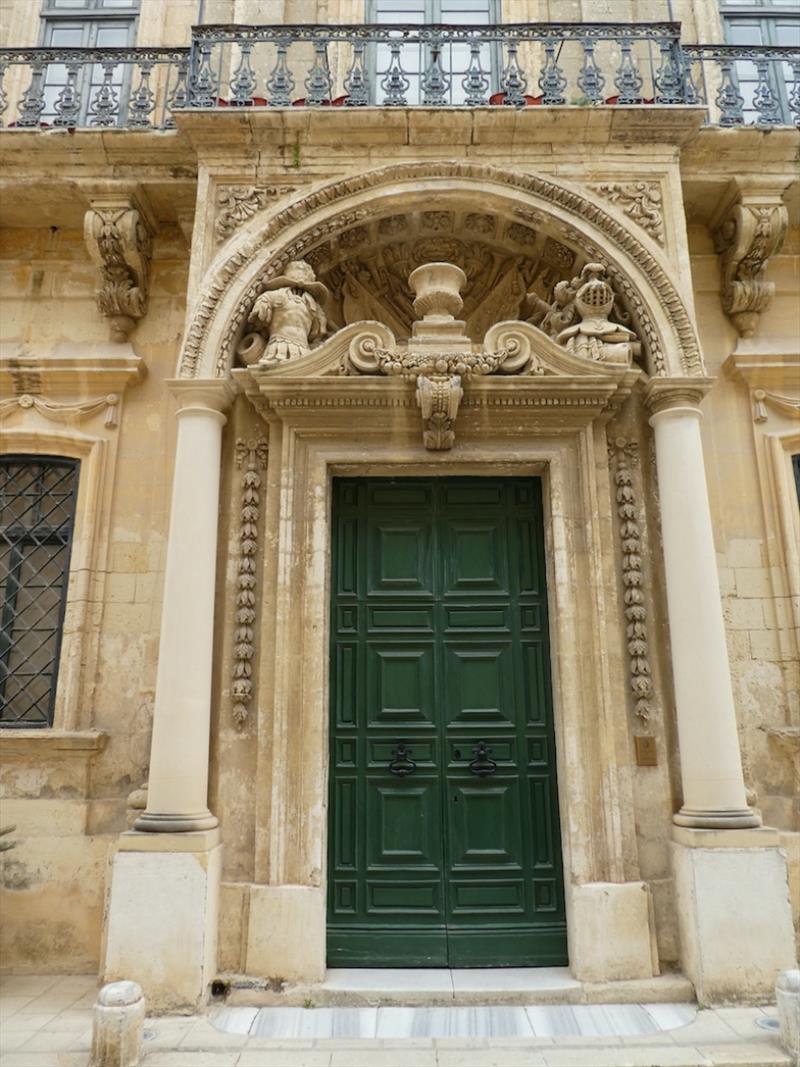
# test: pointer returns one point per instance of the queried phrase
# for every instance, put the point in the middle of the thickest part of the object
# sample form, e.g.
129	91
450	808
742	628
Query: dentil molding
748	229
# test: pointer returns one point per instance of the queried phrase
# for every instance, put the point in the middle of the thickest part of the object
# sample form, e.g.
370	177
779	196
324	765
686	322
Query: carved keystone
118	230
747	231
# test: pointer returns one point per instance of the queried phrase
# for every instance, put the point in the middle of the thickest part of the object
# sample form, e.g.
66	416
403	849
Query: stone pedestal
163	915
610	932
732	902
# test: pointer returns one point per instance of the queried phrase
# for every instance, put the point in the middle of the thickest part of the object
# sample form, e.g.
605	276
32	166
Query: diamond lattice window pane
37	509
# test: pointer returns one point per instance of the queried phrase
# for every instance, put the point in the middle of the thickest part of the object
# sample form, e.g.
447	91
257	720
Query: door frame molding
309	444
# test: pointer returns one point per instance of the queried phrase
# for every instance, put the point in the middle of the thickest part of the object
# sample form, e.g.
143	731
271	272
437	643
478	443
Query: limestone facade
189	745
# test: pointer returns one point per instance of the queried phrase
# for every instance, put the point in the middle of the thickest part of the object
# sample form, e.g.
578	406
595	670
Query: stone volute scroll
749	228
118	232
586	367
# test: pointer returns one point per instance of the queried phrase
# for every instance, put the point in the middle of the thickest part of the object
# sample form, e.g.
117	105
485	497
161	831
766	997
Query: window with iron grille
762	22
455	57
88	24
37	513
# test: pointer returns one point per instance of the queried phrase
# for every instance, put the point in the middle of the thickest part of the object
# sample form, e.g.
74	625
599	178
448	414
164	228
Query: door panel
440	673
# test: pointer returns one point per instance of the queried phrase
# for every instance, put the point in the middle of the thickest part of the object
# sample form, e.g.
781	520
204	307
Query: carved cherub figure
594	337
289	314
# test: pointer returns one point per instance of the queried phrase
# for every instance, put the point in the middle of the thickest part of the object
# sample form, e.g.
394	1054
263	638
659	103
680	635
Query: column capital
214	394
670	394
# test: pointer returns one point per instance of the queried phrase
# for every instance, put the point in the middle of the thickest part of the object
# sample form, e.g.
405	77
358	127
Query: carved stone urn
437	287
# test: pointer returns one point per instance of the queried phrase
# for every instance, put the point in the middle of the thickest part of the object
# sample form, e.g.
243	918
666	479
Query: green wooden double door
444	845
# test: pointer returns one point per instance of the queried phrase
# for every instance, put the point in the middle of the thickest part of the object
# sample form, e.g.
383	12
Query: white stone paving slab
491	1021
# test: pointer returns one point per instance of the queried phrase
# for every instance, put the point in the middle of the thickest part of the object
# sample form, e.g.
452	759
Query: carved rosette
120	241
749	232
624	456
252	456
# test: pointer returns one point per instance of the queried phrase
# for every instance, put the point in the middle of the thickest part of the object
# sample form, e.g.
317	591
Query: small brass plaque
646	755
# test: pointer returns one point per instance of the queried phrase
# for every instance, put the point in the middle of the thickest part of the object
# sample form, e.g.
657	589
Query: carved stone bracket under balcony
748	229
118	230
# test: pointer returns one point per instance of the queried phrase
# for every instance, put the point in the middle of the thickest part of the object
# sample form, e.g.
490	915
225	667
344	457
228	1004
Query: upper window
88	24
762	22
37	511
454	58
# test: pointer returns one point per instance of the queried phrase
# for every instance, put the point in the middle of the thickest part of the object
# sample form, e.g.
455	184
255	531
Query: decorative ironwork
552	81
401	762
654	68
483	765
435	83
37	509
590	79
243	82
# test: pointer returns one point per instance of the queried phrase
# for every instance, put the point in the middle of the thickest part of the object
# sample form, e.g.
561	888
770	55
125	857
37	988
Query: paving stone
760	1053
664	1056
284	1058
355	1057
488	1058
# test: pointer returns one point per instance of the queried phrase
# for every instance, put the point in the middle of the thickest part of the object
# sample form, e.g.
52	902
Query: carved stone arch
578	220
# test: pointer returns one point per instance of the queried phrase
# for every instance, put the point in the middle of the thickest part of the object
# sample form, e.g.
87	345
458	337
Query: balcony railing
507	65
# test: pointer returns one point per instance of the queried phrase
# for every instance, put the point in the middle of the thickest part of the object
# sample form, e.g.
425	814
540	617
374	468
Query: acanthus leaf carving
746	236
238	203
640	201
624	455
251	454
120	241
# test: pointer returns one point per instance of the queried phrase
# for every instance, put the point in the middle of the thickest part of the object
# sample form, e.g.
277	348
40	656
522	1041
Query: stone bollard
787	994
118	1025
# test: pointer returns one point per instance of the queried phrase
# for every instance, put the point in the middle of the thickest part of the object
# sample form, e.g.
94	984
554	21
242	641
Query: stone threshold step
513	986
559	1021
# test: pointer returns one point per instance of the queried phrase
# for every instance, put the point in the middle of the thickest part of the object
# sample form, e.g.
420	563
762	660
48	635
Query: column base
161	926
155	822
717	820
611	935
734	915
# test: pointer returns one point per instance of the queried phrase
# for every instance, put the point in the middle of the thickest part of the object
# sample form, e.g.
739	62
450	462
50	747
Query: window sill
37	745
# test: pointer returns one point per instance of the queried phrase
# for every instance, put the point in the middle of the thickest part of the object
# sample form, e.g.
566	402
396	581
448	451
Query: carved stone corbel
118	231
747	231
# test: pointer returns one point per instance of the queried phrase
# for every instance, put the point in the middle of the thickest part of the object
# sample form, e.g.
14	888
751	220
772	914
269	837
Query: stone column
730	876
165	884
711	767
177	794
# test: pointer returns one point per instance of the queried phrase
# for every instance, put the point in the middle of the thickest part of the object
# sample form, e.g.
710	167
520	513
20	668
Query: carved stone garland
119	240
624	455
565	198
60	411
252	455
